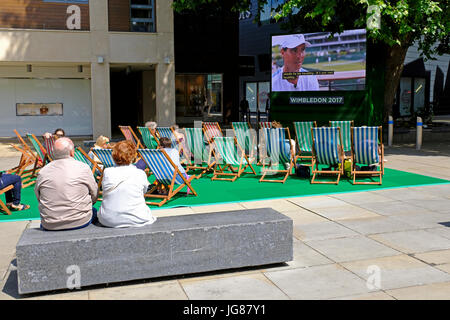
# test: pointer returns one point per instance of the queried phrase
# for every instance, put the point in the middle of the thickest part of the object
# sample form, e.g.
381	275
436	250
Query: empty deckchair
2	204
345	126
229	155
197	155
266	124
166	173
212	130
367	151
327	151
149	140
245	137
27	158
304	140
129	135
278	151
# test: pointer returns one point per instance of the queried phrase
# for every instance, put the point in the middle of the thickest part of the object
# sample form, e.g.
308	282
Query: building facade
85	66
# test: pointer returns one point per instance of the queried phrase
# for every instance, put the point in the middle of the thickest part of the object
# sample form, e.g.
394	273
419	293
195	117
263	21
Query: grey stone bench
173	245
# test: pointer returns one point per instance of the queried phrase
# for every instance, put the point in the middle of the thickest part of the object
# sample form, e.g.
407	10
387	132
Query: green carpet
248	188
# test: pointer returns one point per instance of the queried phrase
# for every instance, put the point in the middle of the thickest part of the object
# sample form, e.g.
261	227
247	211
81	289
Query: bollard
390	130
419	133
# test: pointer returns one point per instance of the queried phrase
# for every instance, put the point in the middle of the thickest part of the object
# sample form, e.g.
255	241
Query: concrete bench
174	245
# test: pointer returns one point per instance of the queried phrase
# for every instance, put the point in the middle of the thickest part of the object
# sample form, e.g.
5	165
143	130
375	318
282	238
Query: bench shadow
11	289
445	224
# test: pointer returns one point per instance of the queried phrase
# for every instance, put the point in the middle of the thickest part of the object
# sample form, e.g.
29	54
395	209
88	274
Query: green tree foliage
402	23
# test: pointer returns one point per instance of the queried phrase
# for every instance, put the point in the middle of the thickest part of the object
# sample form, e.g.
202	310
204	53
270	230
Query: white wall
75	94
441	61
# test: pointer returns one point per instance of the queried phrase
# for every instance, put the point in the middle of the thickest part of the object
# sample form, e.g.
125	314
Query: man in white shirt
293	52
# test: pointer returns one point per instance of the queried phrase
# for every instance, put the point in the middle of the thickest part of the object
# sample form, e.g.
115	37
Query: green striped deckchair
327	151
367	150
147	137
304	140
195	151
231	154
345	126
278	150
82	156
244	136
41	159
166	173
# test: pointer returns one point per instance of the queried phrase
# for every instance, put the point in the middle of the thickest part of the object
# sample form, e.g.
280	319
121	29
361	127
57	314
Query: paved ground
388	244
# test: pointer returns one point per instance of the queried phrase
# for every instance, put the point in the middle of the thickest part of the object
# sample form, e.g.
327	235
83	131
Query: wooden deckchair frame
2	204
235	173
137	142
27	158
352	124
253	142
379	172
205	130
297	142
315	165
287	172
171	191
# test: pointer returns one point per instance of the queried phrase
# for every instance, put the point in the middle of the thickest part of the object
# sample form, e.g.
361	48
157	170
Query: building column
100	82
165	94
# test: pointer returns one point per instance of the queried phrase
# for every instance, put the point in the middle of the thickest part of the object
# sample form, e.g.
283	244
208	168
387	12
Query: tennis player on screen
293	51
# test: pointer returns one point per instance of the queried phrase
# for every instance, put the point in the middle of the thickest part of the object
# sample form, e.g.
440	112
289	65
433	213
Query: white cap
293	41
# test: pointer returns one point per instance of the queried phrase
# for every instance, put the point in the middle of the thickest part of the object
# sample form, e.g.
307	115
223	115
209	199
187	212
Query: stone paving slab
439	205
9	235
424	220
161	290
404	194
392	208
444	267
322	231
443	232
434	257
414	241
345	212
302	216
316	202
397	271
257	287
435	291
319	282
357	198
379	295
280	205
376	225
351	248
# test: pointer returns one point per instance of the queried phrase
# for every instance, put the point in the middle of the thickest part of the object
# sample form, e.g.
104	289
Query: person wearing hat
293	52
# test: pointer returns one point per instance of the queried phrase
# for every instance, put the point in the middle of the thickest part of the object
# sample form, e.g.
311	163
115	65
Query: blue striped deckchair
245	137
304	140
147	137
278	150
231	154
367	150
327	151
129	135
166	173
345	126
196	155
105	157
168	133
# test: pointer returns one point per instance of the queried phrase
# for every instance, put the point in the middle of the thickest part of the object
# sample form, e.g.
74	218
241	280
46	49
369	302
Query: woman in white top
124	187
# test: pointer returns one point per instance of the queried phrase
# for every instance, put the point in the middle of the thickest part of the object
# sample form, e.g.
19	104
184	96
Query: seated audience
66	190
181	140
12	196
123	188
57	134
102	142
140	164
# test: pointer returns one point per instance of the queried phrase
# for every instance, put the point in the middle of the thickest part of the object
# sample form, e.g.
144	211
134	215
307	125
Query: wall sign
39	109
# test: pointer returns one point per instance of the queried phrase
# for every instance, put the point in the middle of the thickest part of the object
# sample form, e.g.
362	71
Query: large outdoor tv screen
318	62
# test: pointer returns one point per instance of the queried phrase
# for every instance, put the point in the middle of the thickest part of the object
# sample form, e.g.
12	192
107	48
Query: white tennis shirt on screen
304	83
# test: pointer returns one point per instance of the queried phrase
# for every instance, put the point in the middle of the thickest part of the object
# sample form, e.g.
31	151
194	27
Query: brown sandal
20	207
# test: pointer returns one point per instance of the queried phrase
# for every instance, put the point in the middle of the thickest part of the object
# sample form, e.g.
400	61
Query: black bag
302	171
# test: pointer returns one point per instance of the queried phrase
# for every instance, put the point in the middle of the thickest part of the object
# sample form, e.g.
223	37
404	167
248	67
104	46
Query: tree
402	23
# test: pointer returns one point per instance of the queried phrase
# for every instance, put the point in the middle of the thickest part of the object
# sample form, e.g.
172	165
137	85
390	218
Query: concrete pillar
165	93
100	83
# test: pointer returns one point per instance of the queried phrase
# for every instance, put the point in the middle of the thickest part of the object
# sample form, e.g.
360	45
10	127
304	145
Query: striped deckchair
27	158
129	135
166	173
278	150
231	154
367	150
245	137
147	137
168	133
212	130
49	144
82	156
345	126
266	124
41	154
105	157
304	140
196	155
327	151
